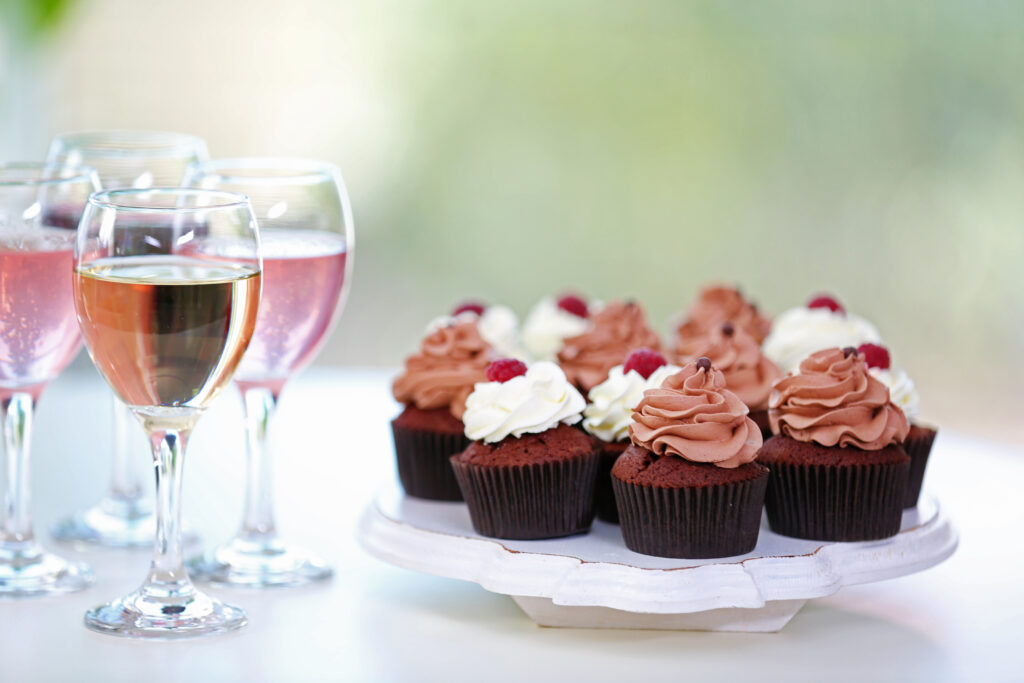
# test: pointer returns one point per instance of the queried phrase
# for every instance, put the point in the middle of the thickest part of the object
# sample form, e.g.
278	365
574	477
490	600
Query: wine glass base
26	571
138	615
112	527
254	565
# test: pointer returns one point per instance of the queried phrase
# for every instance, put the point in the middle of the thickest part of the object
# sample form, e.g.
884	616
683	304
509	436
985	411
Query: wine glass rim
117	199
33	173
128	142
275	170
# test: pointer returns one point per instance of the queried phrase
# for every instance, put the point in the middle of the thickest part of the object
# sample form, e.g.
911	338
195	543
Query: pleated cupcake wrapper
424	462
836	503
604	496
542	500
918	450
691	522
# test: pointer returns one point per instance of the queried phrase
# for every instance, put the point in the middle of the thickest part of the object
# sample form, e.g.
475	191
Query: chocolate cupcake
689	486
617	329
434	386
839	472
717	304
918	444
609	413
527	473
748	372
553	320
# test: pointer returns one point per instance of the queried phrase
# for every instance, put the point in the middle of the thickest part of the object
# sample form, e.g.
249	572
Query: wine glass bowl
38	338
166	321
306	233
123	518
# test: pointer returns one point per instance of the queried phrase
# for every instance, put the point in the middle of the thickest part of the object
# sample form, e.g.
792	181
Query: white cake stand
594	581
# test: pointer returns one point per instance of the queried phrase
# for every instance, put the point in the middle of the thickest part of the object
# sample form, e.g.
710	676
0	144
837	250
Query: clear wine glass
306	232
123	518
166	319
38	338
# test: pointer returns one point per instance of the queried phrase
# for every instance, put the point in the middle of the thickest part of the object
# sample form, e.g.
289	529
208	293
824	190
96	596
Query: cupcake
839	472
528	474
689	486
434	386
737	355
822	324
609	413
617	329
902	392
498	325
551	321
717	304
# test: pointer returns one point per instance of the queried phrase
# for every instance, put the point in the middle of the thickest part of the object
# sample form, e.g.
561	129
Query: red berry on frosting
875	355
504	369
826	301
470	307
570	303
644	362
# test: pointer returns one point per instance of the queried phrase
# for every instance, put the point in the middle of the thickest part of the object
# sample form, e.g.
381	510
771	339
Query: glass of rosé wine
38	337
166	320
306	233
123	517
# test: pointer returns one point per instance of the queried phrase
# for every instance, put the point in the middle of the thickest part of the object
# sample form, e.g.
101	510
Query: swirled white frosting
545	328
610	411
901	390
799	332
528	404
499	327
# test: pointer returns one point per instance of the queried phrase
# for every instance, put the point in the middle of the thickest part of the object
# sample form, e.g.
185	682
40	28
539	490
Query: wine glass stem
16	515
258	522
167	573
126	480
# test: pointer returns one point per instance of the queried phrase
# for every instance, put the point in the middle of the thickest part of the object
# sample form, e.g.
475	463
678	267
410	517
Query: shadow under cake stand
594	581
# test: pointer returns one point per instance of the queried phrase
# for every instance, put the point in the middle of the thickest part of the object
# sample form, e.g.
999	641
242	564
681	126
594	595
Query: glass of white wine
167	322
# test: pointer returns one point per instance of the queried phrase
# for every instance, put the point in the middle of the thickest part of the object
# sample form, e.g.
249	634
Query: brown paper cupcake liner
604	496
542	500
424	462
836	503
918	449
721	520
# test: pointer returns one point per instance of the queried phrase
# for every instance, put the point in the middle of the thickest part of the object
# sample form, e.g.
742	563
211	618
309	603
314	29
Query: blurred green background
509	150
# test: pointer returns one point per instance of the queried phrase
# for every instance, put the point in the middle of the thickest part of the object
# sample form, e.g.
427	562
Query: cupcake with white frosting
527	473
553	320
903	394
610	412
822	324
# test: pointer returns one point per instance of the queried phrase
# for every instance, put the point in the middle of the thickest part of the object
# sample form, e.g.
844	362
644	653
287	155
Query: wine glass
306	232
166	320
38	338
122	158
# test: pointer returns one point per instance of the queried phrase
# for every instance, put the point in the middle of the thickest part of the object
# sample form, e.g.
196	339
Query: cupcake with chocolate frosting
527	473
688	486
839	472
609	414
717	304
616	329
748	372
433	387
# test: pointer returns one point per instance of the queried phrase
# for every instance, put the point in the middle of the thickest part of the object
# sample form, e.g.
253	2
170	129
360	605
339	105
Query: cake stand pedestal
594	581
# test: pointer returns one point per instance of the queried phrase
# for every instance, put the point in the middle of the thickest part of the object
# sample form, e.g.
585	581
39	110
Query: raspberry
504	369
875	355
644	362
826	301
469	306
570	303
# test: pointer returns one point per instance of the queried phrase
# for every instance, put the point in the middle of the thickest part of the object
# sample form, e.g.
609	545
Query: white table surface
962	620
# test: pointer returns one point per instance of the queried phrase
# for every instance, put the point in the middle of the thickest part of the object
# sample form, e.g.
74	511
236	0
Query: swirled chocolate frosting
718	304
618	328
748	373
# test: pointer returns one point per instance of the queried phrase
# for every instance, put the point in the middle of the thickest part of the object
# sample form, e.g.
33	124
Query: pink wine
166	330
303	278
38	330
